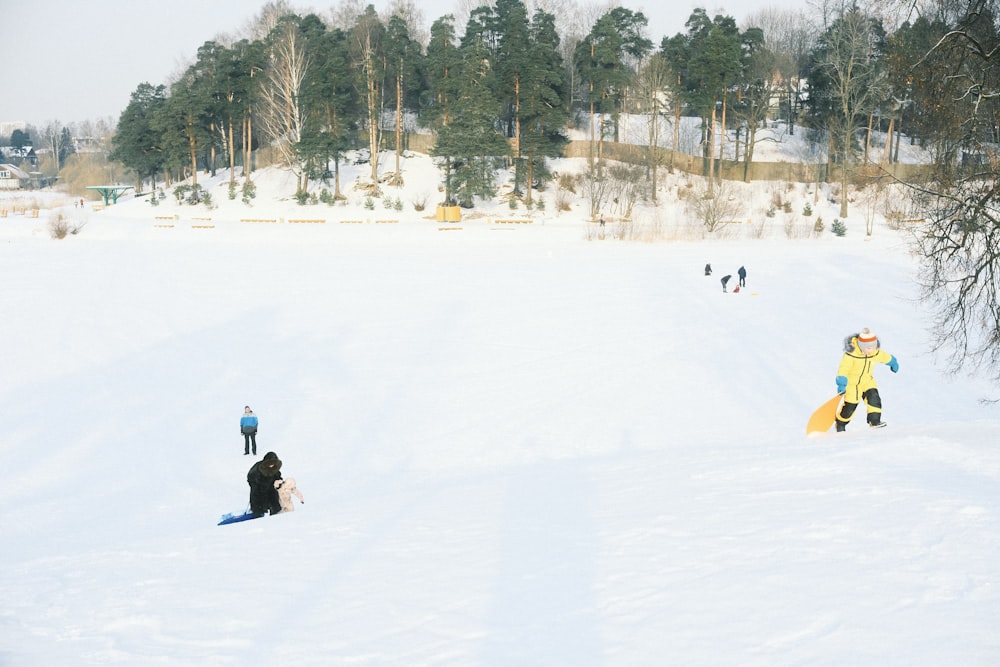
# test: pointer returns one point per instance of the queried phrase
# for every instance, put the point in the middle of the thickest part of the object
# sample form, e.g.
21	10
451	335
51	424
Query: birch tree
281	113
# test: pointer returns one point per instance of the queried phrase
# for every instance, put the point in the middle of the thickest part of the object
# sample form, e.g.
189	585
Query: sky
531	443
80	61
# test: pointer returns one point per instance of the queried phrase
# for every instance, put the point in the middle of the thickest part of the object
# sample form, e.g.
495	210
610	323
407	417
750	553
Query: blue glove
841	384
894	365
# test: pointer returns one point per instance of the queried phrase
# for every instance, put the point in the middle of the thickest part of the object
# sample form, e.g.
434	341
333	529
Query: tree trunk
711	153
192	149
398	178
843	172
232	156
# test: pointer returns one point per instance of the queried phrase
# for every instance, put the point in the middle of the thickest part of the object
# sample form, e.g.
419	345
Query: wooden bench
386	221
258	219
166	217
202	226
306	221
161	225
513	221
352	222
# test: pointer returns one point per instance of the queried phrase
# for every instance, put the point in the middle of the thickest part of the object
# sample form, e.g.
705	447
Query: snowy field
519	444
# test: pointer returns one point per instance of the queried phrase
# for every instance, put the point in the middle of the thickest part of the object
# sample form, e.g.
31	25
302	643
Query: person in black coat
263	495
742	273
725	279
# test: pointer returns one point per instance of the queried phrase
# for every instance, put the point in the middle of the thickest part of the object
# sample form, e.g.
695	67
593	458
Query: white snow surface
518	443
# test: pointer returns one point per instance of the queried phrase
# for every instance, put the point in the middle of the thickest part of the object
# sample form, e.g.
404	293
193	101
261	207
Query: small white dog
286	488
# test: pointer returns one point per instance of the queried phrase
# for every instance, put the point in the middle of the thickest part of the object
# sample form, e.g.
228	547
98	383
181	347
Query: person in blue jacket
248	427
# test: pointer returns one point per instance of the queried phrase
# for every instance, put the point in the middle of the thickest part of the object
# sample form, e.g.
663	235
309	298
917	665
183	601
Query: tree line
510	85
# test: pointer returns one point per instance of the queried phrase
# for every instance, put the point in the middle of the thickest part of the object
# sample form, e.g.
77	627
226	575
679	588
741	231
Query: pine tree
442	65
542	112
138	142
469	146
329	103
403	65
367	41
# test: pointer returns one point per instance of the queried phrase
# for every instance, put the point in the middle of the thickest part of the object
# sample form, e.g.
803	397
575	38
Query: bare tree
790	37
52	133
412	16
345	14
654	88
267	19
714	207
959	245
597	187
627	186
281	113
850	58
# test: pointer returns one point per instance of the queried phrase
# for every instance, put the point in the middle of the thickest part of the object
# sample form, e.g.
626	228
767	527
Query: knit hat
867	340
270	465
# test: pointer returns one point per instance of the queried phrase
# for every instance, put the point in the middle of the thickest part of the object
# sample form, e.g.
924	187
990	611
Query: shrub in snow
249	191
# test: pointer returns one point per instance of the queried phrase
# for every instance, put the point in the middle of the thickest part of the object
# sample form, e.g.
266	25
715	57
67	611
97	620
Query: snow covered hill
519	444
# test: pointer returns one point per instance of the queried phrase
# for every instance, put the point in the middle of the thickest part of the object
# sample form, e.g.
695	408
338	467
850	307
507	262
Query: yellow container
452	213
439	214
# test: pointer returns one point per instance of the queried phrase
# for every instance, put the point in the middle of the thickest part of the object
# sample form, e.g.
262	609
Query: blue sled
235	518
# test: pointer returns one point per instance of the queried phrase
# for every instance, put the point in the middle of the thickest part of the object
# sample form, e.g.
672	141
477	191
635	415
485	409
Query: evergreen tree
543	110
208	86
715	63
605	59
66	147
469	146
232	93
403	67
368	56
19	139
441	73
328	102
138	143
511	62
249	62
597	58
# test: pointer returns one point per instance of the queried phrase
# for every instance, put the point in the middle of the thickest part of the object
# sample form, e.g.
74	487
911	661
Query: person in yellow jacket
855	380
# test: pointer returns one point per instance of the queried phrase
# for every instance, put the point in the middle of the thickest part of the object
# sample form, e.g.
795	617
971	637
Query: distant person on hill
855	381
708	269
742	273
261	478
248	427
725	279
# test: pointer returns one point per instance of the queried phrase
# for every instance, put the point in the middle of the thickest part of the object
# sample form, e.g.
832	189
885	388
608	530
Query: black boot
841	426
